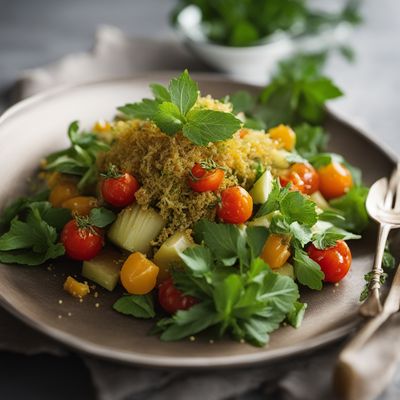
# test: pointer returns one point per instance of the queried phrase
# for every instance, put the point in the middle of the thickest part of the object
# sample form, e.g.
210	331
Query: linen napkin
306	377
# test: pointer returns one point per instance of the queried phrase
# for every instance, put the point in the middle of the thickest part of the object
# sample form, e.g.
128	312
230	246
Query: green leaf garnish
137	306
173	111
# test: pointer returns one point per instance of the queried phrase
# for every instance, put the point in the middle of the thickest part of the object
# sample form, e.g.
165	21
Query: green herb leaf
184	92
352	208
329	237
388	261
298	208
168	118
226	241
145	109
310	140
242	101
160	92
189	322
273	201
307	271
101	217
138	306
30	242
205	126
198	259
296	314
11	211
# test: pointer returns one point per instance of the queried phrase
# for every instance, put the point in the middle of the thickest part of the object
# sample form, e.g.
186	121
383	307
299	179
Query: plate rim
157	361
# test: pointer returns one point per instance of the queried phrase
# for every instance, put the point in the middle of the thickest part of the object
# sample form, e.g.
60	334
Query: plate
37	126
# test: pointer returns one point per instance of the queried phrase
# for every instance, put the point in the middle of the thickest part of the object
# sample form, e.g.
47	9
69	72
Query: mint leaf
307	271
205	126
329	237
101	217
296	314
168	118
144	109
388	260
160	92
184	92
298	208
137	306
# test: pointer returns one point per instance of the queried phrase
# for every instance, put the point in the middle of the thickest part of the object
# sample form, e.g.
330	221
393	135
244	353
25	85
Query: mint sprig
173	110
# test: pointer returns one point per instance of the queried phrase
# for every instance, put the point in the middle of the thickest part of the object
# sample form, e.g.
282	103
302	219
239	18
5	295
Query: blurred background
34	33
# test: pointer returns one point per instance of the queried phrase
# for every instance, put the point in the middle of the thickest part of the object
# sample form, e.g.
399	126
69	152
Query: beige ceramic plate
37	126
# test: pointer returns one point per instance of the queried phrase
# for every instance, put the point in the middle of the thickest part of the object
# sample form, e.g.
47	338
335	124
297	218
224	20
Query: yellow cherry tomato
138	274
276	250
62	191
334	180
80	205
285	135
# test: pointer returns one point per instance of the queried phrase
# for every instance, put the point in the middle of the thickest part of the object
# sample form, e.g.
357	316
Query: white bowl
253	64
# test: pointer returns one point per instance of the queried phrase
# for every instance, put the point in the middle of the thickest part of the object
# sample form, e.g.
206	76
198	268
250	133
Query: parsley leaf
226	241
80	158
352	207
137	306
330	236
298	208
296	314
12	210
30	242
198	259
307	271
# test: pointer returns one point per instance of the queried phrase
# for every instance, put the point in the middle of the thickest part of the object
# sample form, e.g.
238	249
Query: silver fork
383	205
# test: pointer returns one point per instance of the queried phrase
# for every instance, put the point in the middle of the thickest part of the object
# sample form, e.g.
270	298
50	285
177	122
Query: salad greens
173	110
33	227
248	22
248	302
80	158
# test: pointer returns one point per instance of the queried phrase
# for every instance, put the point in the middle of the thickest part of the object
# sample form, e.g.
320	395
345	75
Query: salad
209	215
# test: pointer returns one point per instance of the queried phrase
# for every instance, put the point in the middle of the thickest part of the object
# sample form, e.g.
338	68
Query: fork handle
373	306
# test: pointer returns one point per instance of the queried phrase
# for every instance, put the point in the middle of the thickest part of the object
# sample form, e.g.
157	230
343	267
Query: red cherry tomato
307	174
335	180
119	191
172	299
236	205
81	243
334	261
203	180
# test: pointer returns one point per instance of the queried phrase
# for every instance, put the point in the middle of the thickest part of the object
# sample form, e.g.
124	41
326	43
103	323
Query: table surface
33	33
